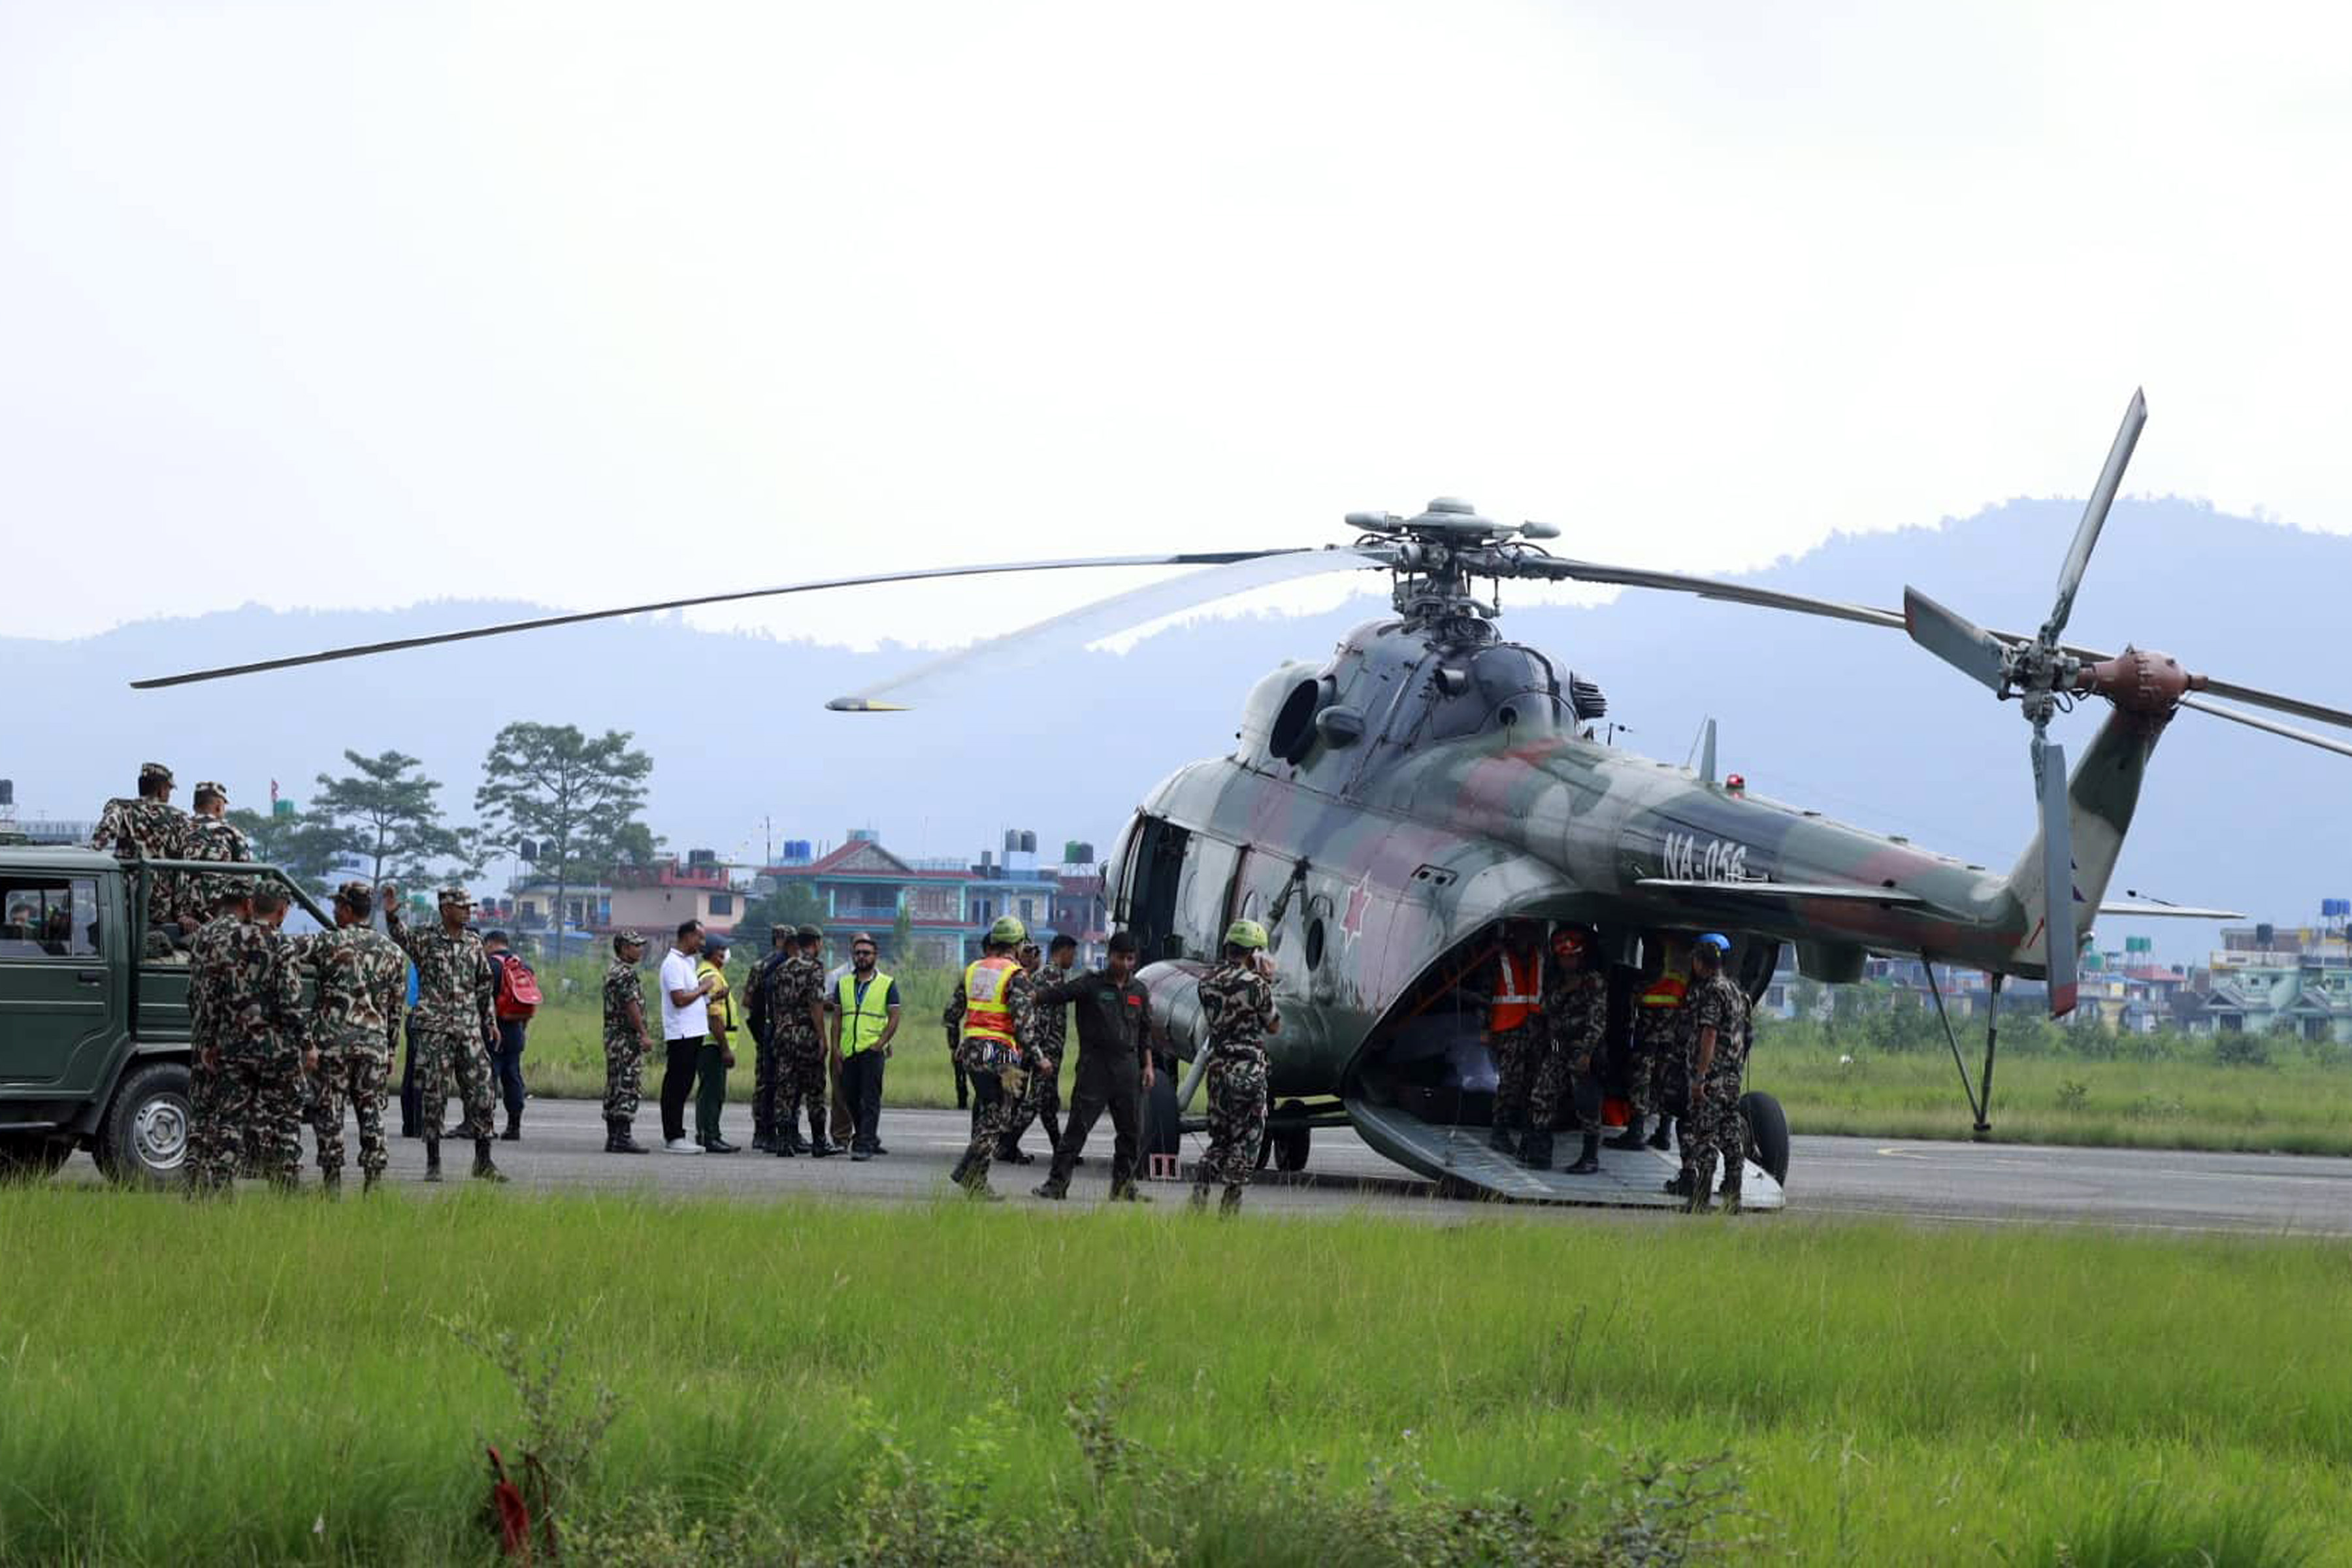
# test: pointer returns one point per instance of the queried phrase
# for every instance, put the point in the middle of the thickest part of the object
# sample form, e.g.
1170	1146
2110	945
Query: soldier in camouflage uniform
1659	1043
150	828
1041	1097
1237	1008
1575	1018
627	1042
253	1018
1000	1033
455	1023
796	1013
1717	1012
211	835
761	1022
1515	1029
361	983
212	1149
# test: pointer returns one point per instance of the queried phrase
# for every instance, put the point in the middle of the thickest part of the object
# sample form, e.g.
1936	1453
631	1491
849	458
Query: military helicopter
1388	809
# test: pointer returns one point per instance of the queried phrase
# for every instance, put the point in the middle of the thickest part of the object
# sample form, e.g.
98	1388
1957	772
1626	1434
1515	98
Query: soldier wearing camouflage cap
456	1026
1237	1009
627	1042
999	1032
148	827
796	1014
361	983
212	837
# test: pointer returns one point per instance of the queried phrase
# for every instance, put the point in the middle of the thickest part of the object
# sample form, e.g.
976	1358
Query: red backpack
519	995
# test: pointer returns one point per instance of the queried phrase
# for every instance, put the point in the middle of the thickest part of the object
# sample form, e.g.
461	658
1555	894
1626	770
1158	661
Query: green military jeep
93	1014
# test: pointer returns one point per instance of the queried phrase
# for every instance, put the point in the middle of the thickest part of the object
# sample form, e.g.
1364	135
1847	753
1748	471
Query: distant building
949	904
2266	979
666	895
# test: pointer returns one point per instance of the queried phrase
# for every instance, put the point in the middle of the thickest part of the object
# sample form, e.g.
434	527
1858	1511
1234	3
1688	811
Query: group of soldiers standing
1547	1026
262	1062
147	826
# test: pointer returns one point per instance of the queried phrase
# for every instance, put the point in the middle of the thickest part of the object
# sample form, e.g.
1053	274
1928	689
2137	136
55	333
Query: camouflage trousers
1657	1032
1515	1052
993	1109
466	1059
254	1102
1041	1097
213	1142
767	1066
1237	1088
1712	1130
624	1077
1565	1075
804	1078
354	1072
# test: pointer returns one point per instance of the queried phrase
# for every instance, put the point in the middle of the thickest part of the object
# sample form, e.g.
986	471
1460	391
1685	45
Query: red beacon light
1735	783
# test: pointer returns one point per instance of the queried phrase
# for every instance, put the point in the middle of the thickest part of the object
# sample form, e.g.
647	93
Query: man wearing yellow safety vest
1513	1017
1000	1026
864	1016
1657	1041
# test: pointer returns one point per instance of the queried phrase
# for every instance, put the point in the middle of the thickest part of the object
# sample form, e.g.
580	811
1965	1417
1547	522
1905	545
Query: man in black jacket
1114	1068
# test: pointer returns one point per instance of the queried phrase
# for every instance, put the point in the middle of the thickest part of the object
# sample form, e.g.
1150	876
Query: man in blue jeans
506	1063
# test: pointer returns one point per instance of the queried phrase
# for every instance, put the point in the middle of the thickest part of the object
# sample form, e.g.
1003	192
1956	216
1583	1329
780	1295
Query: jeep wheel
143	1141
30	1156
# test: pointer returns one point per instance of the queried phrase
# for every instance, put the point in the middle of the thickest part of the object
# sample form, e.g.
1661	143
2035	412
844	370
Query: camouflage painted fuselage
1457	787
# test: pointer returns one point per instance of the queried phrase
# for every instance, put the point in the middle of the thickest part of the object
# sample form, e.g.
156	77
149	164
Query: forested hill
1853	721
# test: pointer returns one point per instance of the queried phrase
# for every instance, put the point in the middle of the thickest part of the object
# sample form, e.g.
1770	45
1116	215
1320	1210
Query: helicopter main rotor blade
362	650
1705	588
1956	639
1870	616
2268	727
1091	622
2095	513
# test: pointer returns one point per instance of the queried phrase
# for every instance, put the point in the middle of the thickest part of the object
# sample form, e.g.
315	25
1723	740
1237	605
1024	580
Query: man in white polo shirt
685	1019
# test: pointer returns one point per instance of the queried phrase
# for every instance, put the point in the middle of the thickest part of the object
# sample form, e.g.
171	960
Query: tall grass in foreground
288	1379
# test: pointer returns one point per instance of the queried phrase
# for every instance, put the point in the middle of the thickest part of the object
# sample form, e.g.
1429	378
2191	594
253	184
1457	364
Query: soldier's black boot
1664	1138
369	1181
1231	1203
1535	1150
790	1142
622	1142
484	1170
1501	1140
331	1184
1632	1137
1588	1159
433	1159
513	1134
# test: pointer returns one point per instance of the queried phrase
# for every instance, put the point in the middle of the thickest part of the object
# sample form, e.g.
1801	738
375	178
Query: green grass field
2161	1093
288	1380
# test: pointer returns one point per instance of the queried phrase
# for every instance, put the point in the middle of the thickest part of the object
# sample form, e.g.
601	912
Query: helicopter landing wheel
1285	1148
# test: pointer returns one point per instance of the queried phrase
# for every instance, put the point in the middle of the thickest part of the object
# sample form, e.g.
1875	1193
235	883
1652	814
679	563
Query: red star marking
1354	922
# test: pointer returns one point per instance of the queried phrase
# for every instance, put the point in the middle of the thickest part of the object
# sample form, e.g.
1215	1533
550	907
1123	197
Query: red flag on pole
273	795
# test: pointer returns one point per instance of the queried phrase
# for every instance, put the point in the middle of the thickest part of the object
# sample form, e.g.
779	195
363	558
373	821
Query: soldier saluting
455	1023
1237	1004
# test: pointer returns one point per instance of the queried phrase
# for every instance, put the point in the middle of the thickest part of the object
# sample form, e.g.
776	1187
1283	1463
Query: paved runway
1949	1182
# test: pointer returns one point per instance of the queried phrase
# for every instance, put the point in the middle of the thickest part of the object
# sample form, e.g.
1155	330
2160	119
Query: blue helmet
1715	940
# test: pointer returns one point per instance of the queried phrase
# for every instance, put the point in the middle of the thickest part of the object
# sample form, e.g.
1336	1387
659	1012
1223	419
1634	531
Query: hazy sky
345	304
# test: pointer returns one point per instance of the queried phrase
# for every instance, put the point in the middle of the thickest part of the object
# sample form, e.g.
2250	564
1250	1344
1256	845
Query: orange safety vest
1518	996
985	1015
1666	990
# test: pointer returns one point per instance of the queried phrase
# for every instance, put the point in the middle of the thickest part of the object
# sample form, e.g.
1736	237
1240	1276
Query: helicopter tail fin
2102	794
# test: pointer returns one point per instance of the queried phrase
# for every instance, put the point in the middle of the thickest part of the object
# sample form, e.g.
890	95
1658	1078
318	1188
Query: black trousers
408	1090
1112	1083
506	1064
861	1085
677	1084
